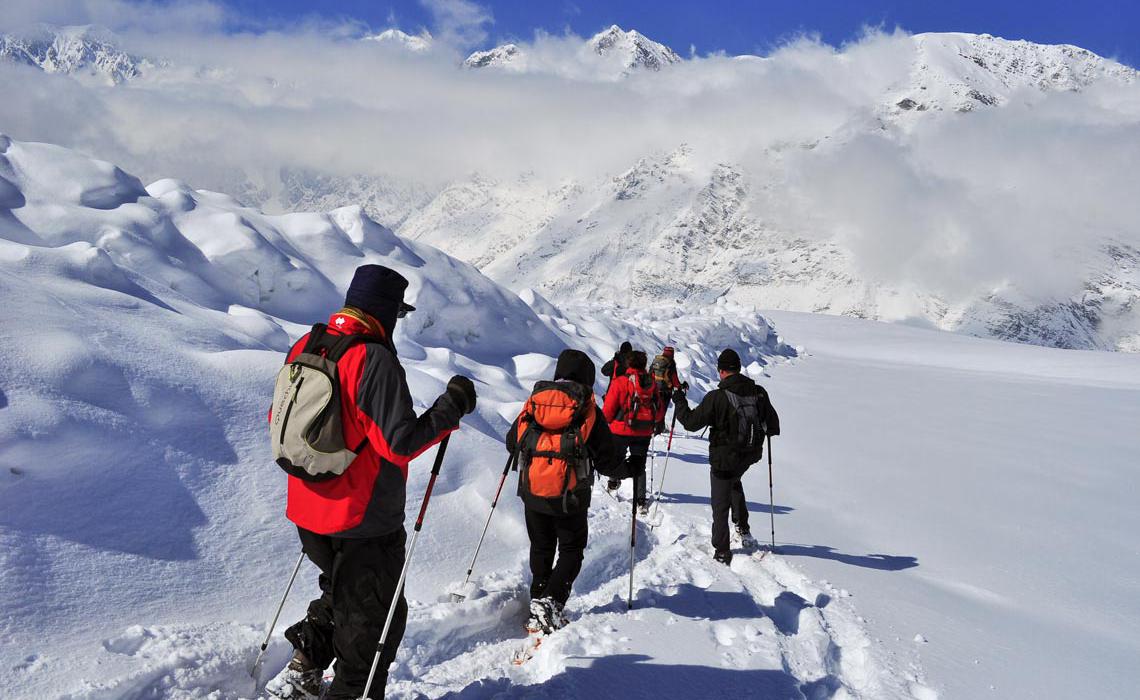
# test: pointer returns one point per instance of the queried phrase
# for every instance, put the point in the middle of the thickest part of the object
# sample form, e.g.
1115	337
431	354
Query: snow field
954	515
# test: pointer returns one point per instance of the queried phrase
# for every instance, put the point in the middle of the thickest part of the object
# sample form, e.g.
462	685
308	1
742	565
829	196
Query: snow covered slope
138	517
963	72
953	514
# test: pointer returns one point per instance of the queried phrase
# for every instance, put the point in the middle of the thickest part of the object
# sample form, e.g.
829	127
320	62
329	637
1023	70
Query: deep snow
953	514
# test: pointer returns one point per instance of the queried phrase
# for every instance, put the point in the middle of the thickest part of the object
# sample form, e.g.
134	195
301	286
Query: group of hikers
344	428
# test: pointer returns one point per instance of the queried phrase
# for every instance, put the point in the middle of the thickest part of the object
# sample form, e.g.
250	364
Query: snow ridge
78	51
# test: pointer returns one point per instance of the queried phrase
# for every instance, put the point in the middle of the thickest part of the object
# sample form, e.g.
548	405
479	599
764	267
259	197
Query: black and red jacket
367	500
618	399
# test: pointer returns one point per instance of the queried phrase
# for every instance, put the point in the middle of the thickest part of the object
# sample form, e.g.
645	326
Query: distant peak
418	43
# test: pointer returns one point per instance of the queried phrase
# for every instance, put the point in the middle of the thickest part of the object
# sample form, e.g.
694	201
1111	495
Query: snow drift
144	326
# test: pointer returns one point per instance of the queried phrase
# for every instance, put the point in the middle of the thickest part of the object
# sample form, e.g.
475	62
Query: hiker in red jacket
634	411
352	525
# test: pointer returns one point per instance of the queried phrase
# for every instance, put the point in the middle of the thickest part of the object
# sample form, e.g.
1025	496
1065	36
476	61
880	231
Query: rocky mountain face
626	50
77	51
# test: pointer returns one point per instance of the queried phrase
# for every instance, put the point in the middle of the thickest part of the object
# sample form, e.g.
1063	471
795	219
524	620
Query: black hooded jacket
574	366
717	412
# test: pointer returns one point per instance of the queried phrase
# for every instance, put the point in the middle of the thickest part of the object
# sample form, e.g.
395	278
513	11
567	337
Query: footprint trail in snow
698	628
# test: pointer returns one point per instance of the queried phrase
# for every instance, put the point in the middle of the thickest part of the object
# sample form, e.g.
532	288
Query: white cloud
964	202
459	23
119	15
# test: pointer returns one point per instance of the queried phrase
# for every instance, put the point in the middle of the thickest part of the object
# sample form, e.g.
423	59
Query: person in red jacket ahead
634	410
352	526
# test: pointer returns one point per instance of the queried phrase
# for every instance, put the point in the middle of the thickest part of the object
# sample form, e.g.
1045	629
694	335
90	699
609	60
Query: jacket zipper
292	402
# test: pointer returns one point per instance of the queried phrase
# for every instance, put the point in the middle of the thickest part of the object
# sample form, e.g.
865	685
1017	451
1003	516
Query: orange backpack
552	431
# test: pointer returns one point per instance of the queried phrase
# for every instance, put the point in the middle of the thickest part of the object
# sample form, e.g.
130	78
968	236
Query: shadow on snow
634	676
753	508
882	562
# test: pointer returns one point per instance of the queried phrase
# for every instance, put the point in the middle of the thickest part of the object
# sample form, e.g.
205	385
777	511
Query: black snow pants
358	579
636	450
566	534
727	496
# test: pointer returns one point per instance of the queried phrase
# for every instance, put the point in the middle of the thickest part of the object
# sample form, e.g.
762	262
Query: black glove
462	392
659	428
679	394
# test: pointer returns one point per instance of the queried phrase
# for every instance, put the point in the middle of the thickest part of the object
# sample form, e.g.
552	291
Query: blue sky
1108	27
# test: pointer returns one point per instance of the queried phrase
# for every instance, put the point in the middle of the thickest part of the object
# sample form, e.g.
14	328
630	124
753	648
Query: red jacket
367	500
618	400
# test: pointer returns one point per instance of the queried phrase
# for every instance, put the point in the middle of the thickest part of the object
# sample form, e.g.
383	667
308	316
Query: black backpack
748	439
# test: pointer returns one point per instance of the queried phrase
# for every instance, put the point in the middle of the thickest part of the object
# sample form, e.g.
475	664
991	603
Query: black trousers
564	534
636	450
727	496
358	578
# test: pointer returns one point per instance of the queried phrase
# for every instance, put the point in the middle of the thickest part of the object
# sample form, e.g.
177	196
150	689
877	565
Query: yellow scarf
370	323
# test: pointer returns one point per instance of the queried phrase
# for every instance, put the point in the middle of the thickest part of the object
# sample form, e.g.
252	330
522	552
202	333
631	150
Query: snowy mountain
418	43
144	324
508	56
634	48
624	50
963	72
79	51
667	230
694	224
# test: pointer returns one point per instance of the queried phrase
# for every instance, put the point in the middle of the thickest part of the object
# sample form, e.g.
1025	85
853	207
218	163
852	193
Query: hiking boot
299	681
545	616
613	484
643	509
723	557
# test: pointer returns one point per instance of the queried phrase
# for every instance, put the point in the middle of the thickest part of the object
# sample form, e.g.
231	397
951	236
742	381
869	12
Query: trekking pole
665	467
652	463
457	597
771	498
632	546
273	623
404	571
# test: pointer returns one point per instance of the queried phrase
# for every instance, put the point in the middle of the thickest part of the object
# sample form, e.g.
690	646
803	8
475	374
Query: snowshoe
545	616
747	540
299	681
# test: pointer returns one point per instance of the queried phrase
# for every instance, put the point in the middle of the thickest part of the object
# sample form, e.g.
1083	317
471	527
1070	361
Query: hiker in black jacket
730	453
618	364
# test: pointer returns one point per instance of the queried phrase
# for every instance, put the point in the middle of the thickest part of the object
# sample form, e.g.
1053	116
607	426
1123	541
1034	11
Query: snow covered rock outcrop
609	55
963	72
417	43
81	51
634	48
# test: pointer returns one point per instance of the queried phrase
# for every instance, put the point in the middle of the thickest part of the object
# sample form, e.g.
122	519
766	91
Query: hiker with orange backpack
634	411
558	440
